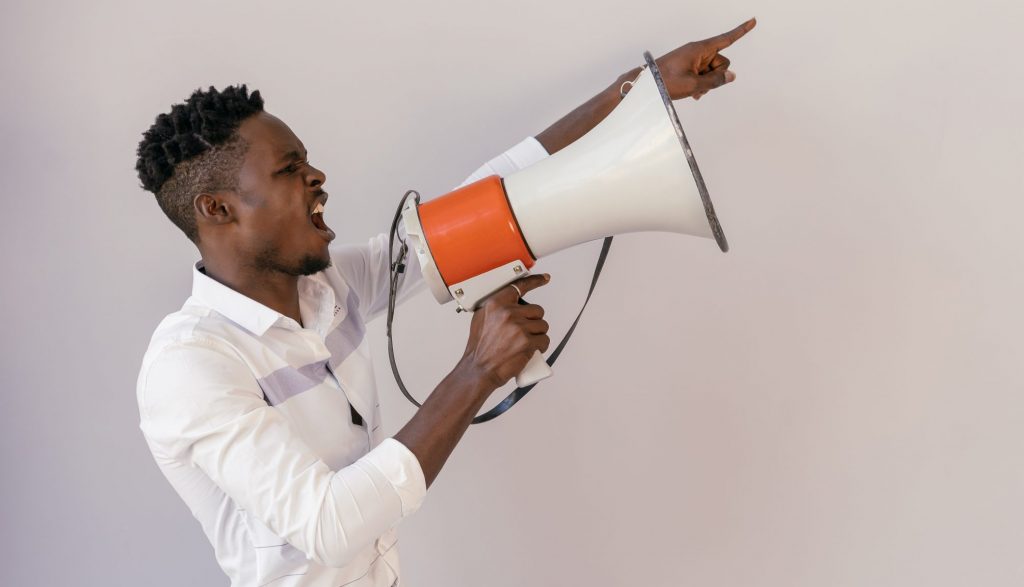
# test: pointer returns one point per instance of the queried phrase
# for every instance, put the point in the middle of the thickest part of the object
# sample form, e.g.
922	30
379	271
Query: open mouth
317	218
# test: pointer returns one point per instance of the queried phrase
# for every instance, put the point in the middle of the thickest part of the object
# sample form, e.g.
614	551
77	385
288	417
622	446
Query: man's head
237	182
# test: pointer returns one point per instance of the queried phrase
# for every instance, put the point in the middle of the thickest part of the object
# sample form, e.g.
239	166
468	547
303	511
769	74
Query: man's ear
214	208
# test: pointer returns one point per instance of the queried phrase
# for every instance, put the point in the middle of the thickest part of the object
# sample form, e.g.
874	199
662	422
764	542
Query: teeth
319	208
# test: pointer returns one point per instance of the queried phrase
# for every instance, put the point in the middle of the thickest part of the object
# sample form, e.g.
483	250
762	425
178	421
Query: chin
314	264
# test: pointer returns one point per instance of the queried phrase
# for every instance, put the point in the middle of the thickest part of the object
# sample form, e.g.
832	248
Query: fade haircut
195	148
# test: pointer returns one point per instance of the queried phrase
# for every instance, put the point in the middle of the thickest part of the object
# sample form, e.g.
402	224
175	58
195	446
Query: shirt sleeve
520	156
200	404
365	267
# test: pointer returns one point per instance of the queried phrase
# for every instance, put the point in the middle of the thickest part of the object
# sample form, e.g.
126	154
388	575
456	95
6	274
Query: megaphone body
633	172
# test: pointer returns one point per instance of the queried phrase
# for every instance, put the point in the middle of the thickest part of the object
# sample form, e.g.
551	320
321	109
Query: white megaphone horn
633	172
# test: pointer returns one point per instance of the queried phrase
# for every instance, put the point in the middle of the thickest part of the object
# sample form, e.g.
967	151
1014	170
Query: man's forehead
269	138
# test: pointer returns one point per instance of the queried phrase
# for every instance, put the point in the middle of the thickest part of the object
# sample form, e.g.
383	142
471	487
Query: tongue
318	221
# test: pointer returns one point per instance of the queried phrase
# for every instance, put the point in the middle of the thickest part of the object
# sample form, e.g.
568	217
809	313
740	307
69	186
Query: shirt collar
242	310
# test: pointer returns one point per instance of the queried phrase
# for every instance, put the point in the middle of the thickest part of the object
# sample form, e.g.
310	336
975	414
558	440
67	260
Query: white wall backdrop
837	401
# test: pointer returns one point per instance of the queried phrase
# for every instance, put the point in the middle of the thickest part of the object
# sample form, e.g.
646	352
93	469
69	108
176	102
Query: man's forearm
579	122
436	428
503	335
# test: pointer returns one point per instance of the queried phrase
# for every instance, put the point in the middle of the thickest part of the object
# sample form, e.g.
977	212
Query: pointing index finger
725	39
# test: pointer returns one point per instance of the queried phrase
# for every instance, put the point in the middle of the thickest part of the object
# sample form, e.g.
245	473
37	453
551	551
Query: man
257	398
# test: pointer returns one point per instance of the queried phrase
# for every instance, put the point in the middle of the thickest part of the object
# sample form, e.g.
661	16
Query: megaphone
633	172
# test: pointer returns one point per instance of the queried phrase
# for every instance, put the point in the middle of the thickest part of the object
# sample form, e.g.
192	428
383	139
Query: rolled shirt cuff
526	153
402	470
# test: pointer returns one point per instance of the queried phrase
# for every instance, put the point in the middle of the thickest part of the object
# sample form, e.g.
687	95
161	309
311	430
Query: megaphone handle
534	371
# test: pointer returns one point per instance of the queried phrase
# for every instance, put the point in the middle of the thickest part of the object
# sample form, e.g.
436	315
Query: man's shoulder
193	322
194	326
193	353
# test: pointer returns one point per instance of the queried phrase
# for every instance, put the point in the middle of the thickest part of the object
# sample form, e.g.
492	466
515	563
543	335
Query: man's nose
315	177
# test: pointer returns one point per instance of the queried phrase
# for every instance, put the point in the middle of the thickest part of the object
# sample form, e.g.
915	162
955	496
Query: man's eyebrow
292	155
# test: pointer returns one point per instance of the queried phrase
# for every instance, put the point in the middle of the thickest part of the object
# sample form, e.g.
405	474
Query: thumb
714	79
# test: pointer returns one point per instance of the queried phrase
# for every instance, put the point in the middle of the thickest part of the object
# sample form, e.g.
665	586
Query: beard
268	260
310	265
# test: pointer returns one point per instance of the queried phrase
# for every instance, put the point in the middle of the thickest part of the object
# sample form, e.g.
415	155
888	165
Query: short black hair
195	148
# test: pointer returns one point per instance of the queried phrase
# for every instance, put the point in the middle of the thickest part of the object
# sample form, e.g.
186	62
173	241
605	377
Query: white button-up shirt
250	417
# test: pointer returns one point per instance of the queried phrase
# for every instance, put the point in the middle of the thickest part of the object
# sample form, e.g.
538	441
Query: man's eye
291	168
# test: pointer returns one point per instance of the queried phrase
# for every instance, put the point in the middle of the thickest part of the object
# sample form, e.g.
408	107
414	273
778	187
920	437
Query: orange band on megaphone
472	230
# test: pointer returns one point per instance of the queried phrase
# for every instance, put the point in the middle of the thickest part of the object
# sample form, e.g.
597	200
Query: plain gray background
837	401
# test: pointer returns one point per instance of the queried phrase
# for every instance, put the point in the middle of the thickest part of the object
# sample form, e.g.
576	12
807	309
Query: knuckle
523	344
521	335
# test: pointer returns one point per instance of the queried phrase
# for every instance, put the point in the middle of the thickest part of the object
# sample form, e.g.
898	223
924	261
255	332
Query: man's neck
274	289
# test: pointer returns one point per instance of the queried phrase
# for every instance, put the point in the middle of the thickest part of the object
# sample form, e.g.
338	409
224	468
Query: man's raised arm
690	70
